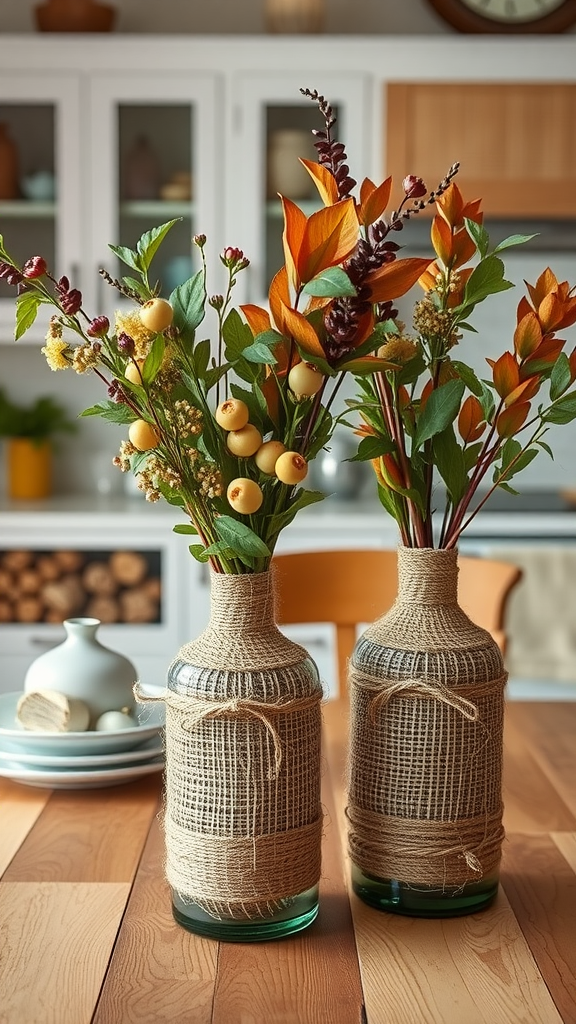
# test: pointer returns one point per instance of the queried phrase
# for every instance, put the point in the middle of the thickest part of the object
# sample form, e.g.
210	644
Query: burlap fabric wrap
243	817
427	695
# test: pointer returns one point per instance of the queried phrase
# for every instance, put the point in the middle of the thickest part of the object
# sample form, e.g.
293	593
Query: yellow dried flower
398	350
84	358
57	351
131	324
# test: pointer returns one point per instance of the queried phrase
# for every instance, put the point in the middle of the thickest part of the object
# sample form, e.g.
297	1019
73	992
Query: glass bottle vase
425	776
243	818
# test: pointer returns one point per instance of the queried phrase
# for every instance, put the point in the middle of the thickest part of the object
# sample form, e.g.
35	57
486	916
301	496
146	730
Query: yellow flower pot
29	467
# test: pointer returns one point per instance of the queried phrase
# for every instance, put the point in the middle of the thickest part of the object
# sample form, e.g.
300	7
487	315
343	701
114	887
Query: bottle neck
427	576
241	603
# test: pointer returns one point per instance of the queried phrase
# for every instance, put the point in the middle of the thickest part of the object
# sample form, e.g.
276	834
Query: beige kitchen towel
541	615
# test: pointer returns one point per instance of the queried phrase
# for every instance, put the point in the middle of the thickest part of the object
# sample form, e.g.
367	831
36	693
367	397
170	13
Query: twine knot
385	691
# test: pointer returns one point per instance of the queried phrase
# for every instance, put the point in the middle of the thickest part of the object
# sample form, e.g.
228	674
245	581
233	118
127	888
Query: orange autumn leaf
395	279
550	312
525	391
463	249
546	354
546	283
442	240
312	244
258	319
323	179
292	239
505	373
427	280
472	211
528	335
450	206
511	420
471	422
373	200
391	473
279	298
523	309
572	362
295	325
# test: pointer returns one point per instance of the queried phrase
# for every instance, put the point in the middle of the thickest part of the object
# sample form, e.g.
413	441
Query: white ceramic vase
81	667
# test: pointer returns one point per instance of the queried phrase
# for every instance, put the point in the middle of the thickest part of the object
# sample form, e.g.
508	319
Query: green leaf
486	279
514	240
468	376
302	499
372	448
522	461
149	243
471	453
237	336
479	236
184	528
449	459
201	358
546	448
254	400
169	495
441	409
198	551
153	360
331	283
563	410
138	287
188	301
487	402
115	412
258	353
26	311
127	256
561	377
504	485
240	538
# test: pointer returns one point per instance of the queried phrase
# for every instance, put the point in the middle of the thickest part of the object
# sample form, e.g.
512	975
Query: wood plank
159	972
476	969
55	944
531	802
551	734
541	886
93	835
313	977
20	807
566	843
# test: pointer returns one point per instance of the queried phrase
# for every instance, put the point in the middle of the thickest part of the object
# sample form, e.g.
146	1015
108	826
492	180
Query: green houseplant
29	431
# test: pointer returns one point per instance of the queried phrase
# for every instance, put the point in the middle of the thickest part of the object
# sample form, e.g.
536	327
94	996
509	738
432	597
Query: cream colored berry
133	372
305	380
143	435
232	414
244	495
291	468
156	315
244	442
268	454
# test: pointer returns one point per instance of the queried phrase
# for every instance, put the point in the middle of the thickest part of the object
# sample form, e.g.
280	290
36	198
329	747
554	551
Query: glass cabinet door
153	149
40	188
276	125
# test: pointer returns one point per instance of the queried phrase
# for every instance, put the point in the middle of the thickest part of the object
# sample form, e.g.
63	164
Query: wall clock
507	16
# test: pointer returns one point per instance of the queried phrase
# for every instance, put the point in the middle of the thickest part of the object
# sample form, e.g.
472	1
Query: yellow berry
232	414
268	454
156	315
244	442
143	435
305	380
291	468
244	495
133	372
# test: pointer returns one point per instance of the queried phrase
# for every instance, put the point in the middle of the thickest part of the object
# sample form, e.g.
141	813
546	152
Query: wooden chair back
350	587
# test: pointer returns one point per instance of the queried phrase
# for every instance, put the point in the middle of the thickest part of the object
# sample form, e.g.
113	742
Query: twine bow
383	694
195	710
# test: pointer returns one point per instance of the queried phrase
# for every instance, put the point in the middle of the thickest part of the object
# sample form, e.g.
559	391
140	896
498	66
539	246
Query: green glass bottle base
298	913
402	898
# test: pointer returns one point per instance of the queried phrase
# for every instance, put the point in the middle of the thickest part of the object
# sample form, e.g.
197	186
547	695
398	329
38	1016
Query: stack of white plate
80	760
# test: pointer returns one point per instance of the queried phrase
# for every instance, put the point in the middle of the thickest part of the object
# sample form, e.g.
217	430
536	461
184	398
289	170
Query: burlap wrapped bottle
425	772
243	818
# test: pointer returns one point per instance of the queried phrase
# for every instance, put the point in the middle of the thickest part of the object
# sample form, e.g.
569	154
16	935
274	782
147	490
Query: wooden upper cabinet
516	143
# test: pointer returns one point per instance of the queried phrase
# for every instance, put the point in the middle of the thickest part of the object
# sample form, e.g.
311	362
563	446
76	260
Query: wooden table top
87	935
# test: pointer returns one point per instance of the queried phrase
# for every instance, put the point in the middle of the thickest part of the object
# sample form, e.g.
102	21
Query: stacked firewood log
50	586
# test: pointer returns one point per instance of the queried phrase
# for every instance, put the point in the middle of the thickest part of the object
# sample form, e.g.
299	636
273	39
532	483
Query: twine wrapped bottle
243	818
425	804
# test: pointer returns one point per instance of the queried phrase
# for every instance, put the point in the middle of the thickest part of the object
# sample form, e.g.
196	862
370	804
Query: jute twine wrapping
243	818
425	770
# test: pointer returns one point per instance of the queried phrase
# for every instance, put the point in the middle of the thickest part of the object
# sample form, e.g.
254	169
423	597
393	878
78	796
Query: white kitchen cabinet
153	158
41	109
